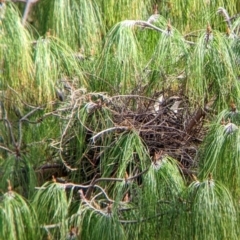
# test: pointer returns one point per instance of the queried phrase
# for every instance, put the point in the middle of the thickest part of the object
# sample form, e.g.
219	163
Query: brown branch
200	113
144	219
49	166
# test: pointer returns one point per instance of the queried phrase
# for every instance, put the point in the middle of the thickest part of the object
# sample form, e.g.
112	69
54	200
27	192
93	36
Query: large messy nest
166	124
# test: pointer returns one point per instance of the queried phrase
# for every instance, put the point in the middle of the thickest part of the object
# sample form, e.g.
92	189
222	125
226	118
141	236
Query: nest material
166	126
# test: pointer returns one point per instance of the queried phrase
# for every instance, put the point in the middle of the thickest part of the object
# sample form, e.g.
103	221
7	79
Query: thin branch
89	191
30	113
107	130
147	24
26	11
7	149
225	14
24	103
134	96
10	131
50	226
235	16
143	219
20	125
195	120
138	175
93	185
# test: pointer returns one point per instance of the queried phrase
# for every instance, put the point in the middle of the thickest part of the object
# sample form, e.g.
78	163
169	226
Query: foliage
220	154
109	111
18	220
202	204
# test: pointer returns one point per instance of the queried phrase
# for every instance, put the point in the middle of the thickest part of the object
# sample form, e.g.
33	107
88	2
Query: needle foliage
119	119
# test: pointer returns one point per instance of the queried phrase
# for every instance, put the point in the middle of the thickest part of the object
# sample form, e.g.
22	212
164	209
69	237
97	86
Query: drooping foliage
119	119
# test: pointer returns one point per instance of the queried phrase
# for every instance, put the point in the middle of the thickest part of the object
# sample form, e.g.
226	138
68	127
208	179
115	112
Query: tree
119	119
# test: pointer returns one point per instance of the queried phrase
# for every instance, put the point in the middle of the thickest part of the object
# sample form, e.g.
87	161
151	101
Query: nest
166	125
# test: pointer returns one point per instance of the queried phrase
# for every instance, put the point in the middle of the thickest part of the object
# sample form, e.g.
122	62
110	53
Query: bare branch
108	130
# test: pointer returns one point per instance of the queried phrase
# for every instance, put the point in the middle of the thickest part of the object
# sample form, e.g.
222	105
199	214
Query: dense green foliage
119	119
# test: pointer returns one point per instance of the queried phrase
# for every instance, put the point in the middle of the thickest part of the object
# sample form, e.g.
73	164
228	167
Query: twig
51	226
30	113
143	219
147	24
26	11
10	131
20	125
225	14
89	191
107	130
24	103
7	149
133	96
195	119
151	26
138	175
94	185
